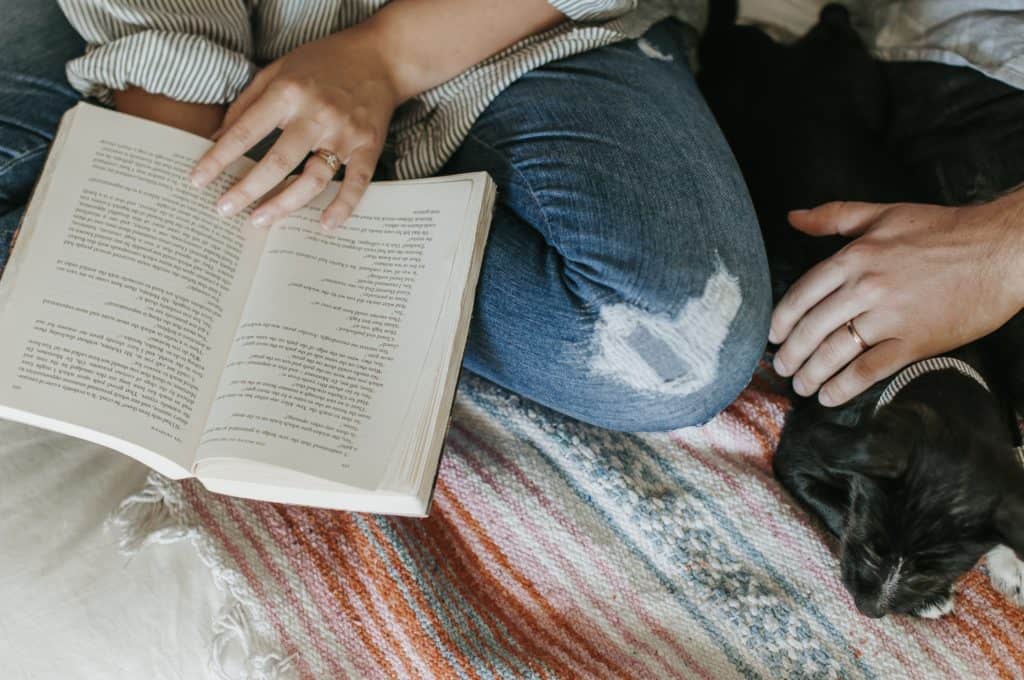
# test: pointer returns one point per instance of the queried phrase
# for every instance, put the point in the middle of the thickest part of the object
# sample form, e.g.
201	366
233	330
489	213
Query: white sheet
72	606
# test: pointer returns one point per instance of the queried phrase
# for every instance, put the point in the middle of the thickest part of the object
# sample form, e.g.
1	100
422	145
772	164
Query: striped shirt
207	50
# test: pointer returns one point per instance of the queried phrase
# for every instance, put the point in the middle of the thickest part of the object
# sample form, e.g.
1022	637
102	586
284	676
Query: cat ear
897	433
836	14
859	450
876	456
1009	521
883	447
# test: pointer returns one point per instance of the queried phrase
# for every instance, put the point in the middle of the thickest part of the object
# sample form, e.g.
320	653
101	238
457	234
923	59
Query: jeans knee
663	371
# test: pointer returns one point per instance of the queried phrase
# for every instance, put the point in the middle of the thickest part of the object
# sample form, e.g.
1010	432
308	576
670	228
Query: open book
285	364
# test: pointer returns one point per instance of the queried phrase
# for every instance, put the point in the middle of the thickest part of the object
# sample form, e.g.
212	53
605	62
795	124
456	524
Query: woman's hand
337	94
918	280
340	92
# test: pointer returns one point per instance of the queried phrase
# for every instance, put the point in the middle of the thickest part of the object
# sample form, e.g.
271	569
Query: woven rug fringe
243	644
145	518
233	637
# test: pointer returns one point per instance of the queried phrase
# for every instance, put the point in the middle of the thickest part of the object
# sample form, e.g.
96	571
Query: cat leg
1006	572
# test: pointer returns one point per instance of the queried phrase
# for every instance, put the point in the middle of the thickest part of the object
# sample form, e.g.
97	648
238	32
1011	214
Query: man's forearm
1013	222
430	41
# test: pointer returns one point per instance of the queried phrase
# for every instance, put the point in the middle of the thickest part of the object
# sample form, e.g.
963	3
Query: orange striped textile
559	550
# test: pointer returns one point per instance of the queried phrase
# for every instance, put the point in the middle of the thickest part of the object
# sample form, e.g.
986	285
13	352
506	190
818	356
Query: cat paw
937	610
1007	573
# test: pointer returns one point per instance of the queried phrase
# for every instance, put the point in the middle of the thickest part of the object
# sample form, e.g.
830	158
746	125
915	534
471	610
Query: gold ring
331	158
856	336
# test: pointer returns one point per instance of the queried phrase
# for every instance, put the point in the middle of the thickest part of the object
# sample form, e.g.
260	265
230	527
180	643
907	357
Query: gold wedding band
329	157
856	336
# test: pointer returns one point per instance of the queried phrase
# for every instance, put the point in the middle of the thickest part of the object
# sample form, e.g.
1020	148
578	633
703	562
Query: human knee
664	370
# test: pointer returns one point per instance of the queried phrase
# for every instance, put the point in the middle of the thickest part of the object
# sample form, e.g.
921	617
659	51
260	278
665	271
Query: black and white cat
920	476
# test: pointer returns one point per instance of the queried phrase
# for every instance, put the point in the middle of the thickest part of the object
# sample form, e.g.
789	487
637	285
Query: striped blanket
555	549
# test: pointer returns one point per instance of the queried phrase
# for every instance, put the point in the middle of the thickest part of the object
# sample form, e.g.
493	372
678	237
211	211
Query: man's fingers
879	362
358	174
252	126
808	291
314	178
283	157
838	218
816	325
834	352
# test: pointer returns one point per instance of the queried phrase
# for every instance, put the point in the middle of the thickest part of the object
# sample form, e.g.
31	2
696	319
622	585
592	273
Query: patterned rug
555	549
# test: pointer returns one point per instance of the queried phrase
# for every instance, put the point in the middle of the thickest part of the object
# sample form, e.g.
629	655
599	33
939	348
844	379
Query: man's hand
918	280
200	119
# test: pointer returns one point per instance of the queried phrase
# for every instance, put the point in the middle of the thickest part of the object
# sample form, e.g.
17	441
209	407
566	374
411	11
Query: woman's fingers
877	363
315	177
253	125
809	290
283	157
245	99
838	218
833	354
816	325
358	173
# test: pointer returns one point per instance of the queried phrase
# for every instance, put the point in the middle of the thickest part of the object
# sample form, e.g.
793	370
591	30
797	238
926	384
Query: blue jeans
625	282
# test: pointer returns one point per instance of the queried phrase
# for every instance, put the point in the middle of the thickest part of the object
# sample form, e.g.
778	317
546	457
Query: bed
554	550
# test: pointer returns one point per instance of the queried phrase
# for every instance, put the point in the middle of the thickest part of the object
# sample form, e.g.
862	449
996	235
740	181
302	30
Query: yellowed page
335	336
124	292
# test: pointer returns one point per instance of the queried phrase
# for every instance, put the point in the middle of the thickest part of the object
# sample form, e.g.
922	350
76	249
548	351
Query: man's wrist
1011	209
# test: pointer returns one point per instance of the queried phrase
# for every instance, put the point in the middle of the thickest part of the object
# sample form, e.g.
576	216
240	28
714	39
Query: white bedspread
72	606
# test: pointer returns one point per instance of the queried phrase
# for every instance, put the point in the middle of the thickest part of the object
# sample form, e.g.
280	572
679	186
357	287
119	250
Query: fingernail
826	398
259	219
200	178
226	206
780	368
799	211
799	387
328	224
773	337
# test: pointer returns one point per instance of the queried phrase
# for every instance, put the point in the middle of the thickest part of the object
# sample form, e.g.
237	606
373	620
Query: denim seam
519	174
587	305
9	165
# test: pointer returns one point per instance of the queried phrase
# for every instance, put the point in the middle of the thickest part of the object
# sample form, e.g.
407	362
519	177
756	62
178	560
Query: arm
918	280
200	119
177	62
430	41
405	48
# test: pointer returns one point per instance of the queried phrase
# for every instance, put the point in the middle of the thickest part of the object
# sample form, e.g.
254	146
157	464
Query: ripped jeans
625	282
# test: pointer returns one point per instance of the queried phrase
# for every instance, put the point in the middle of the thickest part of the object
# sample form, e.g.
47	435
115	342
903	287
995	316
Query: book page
127	289
335	336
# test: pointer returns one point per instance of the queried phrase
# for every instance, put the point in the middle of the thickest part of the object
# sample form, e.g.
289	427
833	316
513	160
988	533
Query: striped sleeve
189	50
593	10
